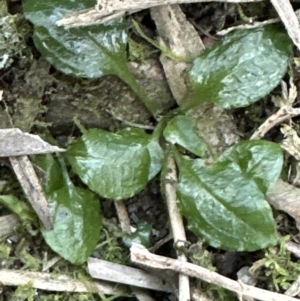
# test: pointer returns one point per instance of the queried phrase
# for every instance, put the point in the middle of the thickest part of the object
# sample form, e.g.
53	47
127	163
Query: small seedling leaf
180	130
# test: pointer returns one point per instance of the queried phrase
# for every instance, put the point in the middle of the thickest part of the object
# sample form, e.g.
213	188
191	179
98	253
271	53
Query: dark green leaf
77	223
258	159
224	203
155	150
75	213
243	68
180	130
90	51
53	177
116	165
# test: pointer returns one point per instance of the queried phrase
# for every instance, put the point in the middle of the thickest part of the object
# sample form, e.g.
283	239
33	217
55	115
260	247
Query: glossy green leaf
75	213
225	203
154	148
243	68
116	165
180	130
53	177
77	223
90	51
260	160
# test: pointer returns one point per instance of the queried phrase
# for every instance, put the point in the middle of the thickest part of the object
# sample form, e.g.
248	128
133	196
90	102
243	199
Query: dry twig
58	283
176	224
286	111
123	216
107	10
141	294
289	19
109	271
16	145
142	256
32	188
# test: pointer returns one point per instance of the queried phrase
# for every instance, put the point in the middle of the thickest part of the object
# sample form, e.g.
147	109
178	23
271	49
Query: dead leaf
13	142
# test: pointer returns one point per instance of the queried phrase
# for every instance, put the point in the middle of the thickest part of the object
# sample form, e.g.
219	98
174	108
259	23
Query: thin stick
105	6
123	216
247	26
141	294
281	115
58	283
32	188
176	224
142	256
293	248
289	19
118	273
108	10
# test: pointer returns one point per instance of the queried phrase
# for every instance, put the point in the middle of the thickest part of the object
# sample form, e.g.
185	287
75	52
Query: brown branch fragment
289	19
281	115
142	256
108	10
285	197
32	188
118	273
176	224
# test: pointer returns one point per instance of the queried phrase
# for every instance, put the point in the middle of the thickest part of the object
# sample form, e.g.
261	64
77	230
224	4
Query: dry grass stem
282	114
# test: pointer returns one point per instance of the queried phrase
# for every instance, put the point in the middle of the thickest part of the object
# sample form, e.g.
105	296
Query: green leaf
53	177
77	223
224	203
75	213
116	165
243	68
155	150
260	160
180	130
91	51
